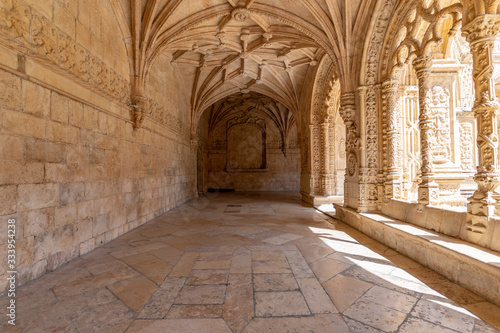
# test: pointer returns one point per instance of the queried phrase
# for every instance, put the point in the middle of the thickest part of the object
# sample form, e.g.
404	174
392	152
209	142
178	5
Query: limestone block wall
281	173
74	174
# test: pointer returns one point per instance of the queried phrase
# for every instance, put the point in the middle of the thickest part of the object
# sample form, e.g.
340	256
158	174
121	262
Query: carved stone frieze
44	37
32	31
163	116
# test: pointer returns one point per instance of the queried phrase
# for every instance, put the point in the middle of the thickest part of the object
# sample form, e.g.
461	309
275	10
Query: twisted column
481	34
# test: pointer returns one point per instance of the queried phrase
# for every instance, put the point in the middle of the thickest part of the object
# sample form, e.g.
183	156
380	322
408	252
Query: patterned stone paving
257	262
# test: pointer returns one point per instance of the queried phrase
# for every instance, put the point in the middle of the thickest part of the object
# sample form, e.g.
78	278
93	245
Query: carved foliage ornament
481	26
466	146
32	31
139	108
440	113
163	116
411	42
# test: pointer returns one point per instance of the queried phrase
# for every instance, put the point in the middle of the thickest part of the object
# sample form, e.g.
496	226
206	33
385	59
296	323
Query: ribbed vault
231	46
240	105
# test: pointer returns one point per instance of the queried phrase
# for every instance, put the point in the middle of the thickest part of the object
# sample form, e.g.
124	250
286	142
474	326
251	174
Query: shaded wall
74	173
248	158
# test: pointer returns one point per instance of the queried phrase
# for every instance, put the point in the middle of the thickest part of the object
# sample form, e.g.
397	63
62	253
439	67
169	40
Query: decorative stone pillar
392	110
353	145
368	137
139	104
313	160
326	179
481	34
428	189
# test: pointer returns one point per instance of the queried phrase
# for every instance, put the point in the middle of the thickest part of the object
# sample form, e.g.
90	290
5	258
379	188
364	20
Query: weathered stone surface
205	294
38	196
239	303
46	152
104	128
134	292
123	283
279	304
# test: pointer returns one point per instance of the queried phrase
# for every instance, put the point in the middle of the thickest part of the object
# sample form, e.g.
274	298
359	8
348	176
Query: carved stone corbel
139	105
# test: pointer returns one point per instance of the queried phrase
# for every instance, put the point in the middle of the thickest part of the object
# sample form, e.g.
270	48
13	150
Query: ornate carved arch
415	30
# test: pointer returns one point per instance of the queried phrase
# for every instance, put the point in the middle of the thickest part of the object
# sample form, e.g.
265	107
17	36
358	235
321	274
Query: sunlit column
393	137
481	34
428	189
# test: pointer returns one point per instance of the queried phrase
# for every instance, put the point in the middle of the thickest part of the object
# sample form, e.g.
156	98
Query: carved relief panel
440	111
445	97
467	155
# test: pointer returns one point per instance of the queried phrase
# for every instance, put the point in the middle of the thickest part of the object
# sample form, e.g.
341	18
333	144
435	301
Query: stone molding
28	31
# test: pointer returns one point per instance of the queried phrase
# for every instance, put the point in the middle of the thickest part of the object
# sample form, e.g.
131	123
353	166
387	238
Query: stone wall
274	172
75	174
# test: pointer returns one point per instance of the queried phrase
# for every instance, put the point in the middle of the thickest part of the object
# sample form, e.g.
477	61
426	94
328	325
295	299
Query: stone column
347	112
481	34
428	189
368	138
326	179
393	157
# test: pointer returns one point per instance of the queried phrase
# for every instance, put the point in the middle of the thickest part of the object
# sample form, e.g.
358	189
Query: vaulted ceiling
237	46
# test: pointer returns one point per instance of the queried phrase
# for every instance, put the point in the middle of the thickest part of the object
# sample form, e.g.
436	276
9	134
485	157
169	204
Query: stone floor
247	262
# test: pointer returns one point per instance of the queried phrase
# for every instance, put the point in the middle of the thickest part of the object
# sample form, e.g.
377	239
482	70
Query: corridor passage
247	262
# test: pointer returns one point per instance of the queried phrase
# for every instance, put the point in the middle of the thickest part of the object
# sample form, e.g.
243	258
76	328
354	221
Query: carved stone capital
486	182
422	63
391	85
483	26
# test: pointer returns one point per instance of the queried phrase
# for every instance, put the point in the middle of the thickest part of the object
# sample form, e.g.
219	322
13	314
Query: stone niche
248	143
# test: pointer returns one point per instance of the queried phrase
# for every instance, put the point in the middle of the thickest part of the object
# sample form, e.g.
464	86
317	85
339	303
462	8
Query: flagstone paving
247	262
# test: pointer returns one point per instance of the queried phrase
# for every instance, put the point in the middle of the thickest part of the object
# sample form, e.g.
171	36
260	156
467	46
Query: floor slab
247	262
